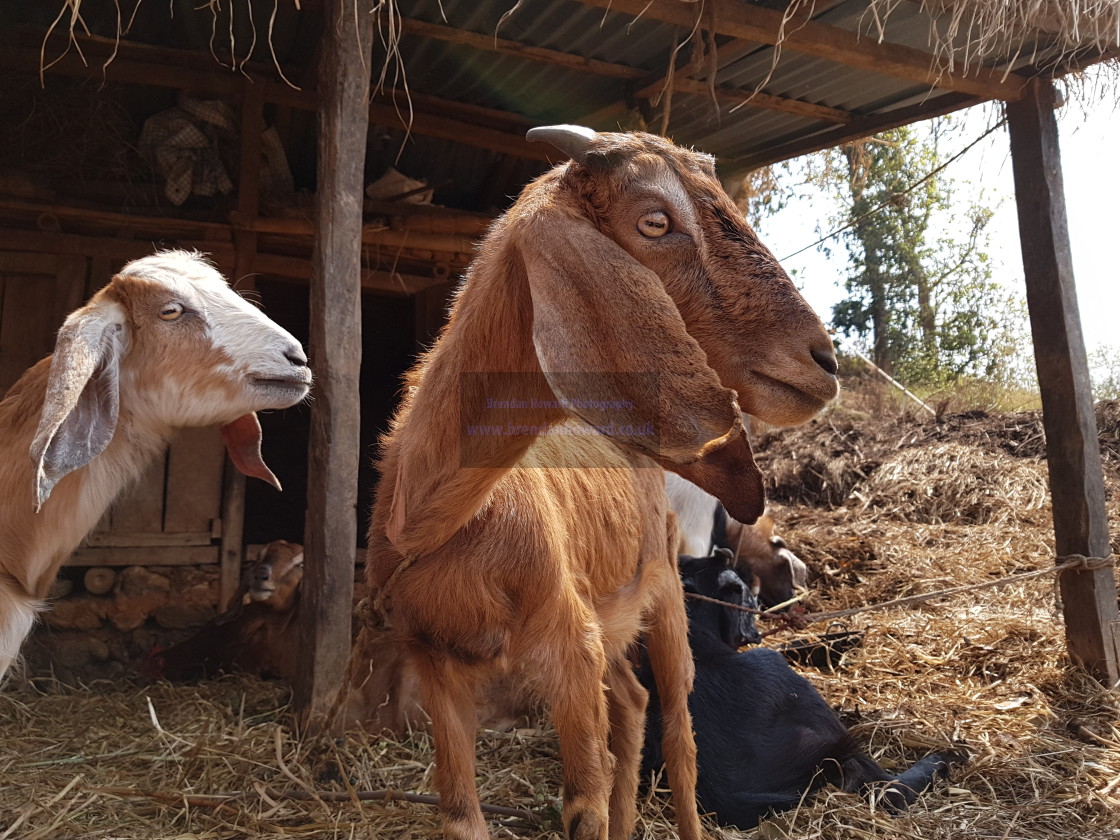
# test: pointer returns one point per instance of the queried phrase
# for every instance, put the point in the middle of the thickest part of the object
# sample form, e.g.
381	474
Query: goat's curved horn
572	140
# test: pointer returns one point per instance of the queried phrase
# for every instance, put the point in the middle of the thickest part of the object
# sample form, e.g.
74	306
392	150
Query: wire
894	196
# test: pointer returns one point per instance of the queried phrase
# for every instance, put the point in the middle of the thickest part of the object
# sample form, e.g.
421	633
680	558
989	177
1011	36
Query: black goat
764	736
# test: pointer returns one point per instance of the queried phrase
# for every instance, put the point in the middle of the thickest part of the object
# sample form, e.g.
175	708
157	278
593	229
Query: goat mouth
290	384
261	593
810	396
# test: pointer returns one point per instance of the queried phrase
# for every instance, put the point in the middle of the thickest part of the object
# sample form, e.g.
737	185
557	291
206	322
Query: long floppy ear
730	474
81	403
614	348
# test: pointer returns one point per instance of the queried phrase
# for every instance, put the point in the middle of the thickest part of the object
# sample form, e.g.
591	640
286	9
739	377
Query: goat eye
653	225
171	311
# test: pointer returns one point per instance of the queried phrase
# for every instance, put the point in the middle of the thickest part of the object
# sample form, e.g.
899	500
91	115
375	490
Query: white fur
17	615
696	510
153	403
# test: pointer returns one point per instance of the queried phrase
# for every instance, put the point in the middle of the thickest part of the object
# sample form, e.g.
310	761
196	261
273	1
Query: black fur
764	736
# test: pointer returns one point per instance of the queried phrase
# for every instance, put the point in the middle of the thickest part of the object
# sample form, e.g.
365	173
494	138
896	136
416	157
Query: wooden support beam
738	97
243	279
113	252
387	282
769	26
490	43
336	354
568	61
450	244
927	109
168	226
404	102
749	98
1072	446
227	84
172	555
445	128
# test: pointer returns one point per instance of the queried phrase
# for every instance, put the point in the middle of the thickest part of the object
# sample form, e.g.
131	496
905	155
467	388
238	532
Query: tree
919	293
1104	367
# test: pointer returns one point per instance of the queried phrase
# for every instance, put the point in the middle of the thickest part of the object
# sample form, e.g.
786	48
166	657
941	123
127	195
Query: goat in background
165	345
623	277
258	634
775	573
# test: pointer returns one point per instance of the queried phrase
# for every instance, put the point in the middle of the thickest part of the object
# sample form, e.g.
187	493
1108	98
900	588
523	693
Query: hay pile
987	670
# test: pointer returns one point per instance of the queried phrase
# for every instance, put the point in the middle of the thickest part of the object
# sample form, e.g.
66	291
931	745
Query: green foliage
920	298
1104	366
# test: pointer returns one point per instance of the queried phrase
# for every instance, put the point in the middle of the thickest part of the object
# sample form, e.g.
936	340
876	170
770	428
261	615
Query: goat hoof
585	825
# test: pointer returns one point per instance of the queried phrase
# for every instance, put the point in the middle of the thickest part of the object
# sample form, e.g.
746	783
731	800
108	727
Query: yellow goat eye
171	311
653	225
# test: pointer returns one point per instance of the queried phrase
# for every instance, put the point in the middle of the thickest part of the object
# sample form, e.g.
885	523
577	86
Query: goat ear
242	438
81	403
730	474
607	334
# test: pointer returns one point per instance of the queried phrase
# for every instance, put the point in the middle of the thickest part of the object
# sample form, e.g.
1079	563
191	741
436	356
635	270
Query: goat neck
484	353
46	539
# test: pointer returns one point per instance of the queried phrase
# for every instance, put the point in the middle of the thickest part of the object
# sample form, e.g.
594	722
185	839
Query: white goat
166	344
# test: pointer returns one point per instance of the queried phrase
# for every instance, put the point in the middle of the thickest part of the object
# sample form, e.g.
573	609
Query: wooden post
336	353
1072	447
245	241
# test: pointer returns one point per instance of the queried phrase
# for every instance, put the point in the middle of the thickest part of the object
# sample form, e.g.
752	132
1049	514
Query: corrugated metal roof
478	86
549	93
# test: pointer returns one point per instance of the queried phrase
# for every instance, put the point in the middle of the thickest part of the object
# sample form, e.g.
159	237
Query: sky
1089	140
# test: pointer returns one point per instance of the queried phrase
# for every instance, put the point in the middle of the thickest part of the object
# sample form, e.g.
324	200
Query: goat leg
573	681
673	671
449	697
626	708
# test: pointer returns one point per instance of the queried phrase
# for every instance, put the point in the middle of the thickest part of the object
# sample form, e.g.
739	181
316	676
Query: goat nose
826	359
296	356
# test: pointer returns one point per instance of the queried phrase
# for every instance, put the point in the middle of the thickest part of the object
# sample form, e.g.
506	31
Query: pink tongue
243	443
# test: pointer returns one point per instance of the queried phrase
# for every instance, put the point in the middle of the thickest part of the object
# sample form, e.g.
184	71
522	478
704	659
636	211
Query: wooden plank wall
37	292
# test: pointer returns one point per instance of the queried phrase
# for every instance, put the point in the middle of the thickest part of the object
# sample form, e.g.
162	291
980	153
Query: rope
372	614
1068	562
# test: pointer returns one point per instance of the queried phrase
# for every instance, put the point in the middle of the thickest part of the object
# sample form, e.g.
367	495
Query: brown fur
774	572
260	633
520	563
384	694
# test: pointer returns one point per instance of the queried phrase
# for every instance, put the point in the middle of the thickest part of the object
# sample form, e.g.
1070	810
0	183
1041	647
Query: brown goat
259	634
624	280
774	572
274	579
166	344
